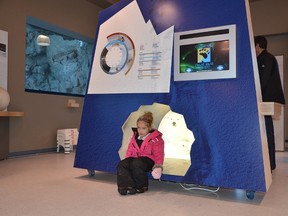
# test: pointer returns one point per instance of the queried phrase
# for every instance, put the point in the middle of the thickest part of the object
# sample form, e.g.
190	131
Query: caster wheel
250	195
91	173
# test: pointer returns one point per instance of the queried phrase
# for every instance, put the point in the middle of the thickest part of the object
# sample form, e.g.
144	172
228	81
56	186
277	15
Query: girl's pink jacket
152	147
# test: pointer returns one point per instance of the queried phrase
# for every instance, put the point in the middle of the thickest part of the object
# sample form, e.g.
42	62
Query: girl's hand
156	173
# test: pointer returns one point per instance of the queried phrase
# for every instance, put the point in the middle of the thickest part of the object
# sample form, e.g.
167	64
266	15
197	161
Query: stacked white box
67	138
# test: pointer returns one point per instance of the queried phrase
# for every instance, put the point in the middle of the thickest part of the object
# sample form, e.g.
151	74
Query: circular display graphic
118	55
114	57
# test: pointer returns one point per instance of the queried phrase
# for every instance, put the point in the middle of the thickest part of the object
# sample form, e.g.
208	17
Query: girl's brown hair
147	117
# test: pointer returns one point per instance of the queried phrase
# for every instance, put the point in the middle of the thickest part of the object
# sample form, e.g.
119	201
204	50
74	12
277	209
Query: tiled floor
47	184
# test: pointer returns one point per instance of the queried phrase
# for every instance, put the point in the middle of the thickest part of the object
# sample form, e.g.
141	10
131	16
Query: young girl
145	153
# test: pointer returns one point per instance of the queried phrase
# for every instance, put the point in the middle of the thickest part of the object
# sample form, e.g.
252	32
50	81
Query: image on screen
212	56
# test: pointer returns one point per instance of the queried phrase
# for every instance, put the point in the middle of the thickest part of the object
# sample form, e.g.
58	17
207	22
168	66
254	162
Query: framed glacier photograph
58	61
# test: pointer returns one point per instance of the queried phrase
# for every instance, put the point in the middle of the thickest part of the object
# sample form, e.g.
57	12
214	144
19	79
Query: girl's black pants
132	172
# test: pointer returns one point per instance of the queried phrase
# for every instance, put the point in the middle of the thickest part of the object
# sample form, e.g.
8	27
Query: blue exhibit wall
222	114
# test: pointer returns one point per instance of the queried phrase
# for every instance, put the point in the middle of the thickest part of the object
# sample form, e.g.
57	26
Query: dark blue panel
222	113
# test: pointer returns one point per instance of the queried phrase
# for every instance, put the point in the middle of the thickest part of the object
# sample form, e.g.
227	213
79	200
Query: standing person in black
271	88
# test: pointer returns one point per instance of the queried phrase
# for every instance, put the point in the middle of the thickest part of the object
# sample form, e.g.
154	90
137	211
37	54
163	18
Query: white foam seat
67	138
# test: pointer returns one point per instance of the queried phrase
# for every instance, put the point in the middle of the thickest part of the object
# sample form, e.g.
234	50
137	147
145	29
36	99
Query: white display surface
130	57
3	59
178	142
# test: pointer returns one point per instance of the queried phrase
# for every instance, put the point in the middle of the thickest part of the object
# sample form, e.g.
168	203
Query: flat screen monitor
205	54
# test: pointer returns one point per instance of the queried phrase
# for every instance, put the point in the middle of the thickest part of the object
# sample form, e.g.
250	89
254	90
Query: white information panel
3	58
130	57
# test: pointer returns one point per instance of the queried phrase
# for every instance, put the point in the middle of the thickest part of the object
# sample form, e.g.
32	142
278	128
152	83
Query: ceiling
103	3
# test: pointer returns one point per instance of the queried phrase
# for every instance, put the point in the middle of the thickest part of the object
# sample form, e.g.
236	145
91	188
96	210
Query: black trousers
271	141
132	172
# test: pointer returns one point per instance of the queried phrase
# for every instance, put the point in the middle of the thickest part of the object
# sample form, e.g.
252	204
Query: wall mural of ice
61	68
